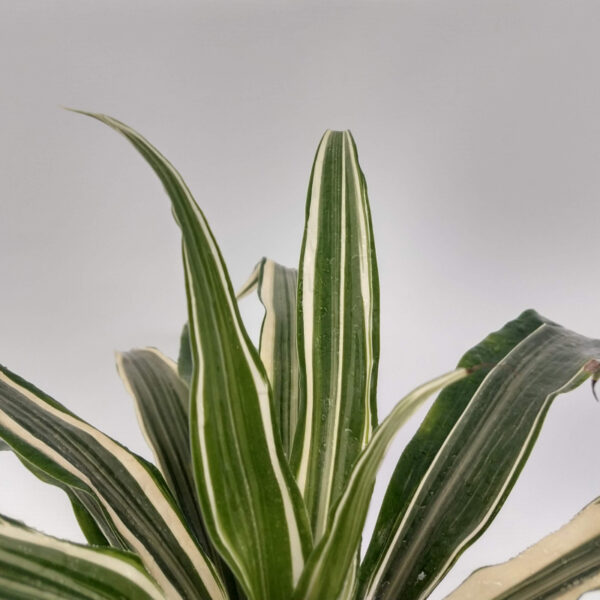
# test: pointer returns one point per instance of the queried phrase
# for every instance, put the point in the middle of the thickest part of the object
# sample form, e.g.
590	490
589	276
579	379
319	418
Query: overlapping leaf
326	571
129	494
252	507
338	327
276	286
34	566
457	471
562	566
162	402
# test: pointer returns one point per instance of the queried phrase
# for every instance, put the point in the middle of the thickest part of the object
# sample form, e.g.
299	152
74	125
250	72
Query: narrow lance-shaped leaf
252	507
562	566
162	405
34	566
338	327
55	441
459	468
328	565
277	286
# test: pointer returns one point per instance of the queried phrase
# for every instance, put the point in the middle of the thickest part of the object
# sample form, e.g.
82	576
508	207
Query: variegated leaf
252	507
34	566
277	287
459	468
162	405
64	447
326	571
562	566
338	327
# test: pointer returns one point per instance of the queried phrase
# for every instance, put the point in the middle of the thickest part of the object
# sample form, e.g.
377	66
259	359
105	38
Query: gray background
478	128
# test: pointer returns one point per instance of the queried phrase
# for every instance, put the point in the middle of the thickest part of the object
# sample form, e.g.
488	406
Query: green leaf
252	507
184	361
338	327
562	566
326	571
65	448
34	566
162	404
277	286
459	468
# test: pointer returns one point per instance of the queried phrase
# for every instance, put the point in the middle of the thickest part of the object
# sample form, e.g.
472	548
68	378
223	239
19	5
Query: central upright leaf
338	327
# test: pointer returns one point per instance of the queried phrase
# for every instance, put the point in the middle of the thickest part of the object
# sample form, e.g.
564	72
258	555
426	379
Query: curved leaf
252	506
562	566
34	566
67	449
326	571
277	286
162	403
459	468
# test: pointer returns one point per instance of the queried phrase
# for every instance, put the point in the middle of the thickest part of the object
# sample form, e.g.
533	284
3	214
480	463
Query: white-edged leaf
277	288
338	327
562	566
458	469
332	559
34	566
252	507
162	404
130	493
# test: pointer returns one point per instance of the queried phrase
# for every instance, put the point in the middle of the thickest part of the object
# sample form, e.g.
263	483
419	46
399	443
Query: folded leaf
67	449
459	468
326	571
277	286
184	360
251	505
34	566
338	327
562	566
162	402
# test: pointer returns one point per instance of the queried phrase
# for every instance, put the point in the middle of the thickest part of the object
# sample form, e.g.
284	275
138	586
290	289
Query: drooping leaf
326	571
562	566
34	566
338	327
252	507
162	404
459	468
277	286
64	447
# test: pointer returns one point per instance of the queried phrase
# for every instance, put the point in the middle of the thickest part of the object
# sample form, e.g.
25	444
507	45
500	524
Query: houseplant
266	458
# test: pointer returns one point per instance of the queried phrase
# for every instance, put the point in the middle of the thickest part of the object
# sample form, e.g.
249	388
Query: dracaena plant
266	458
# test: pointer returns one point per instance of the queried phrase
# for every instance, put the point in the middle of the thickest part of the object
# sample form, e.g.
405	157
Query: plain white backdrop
478	128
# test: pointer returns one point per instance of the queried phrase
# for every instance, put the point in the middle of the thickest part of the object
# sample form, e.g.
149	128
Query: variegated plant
266	458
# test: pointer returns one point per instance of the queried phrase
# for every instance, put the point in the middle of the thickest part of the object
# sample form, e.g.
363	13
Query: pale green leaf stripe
162	403
338	327
34	566
562	566
252	508
468	476
277	286
132	495
328	565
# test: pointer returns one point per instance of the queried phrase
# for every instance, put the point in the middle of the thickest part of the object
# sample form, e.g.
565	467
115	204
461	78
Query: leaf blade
259	523
58	443
276	286
496	419
38	566
563	565
338	326
326	569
